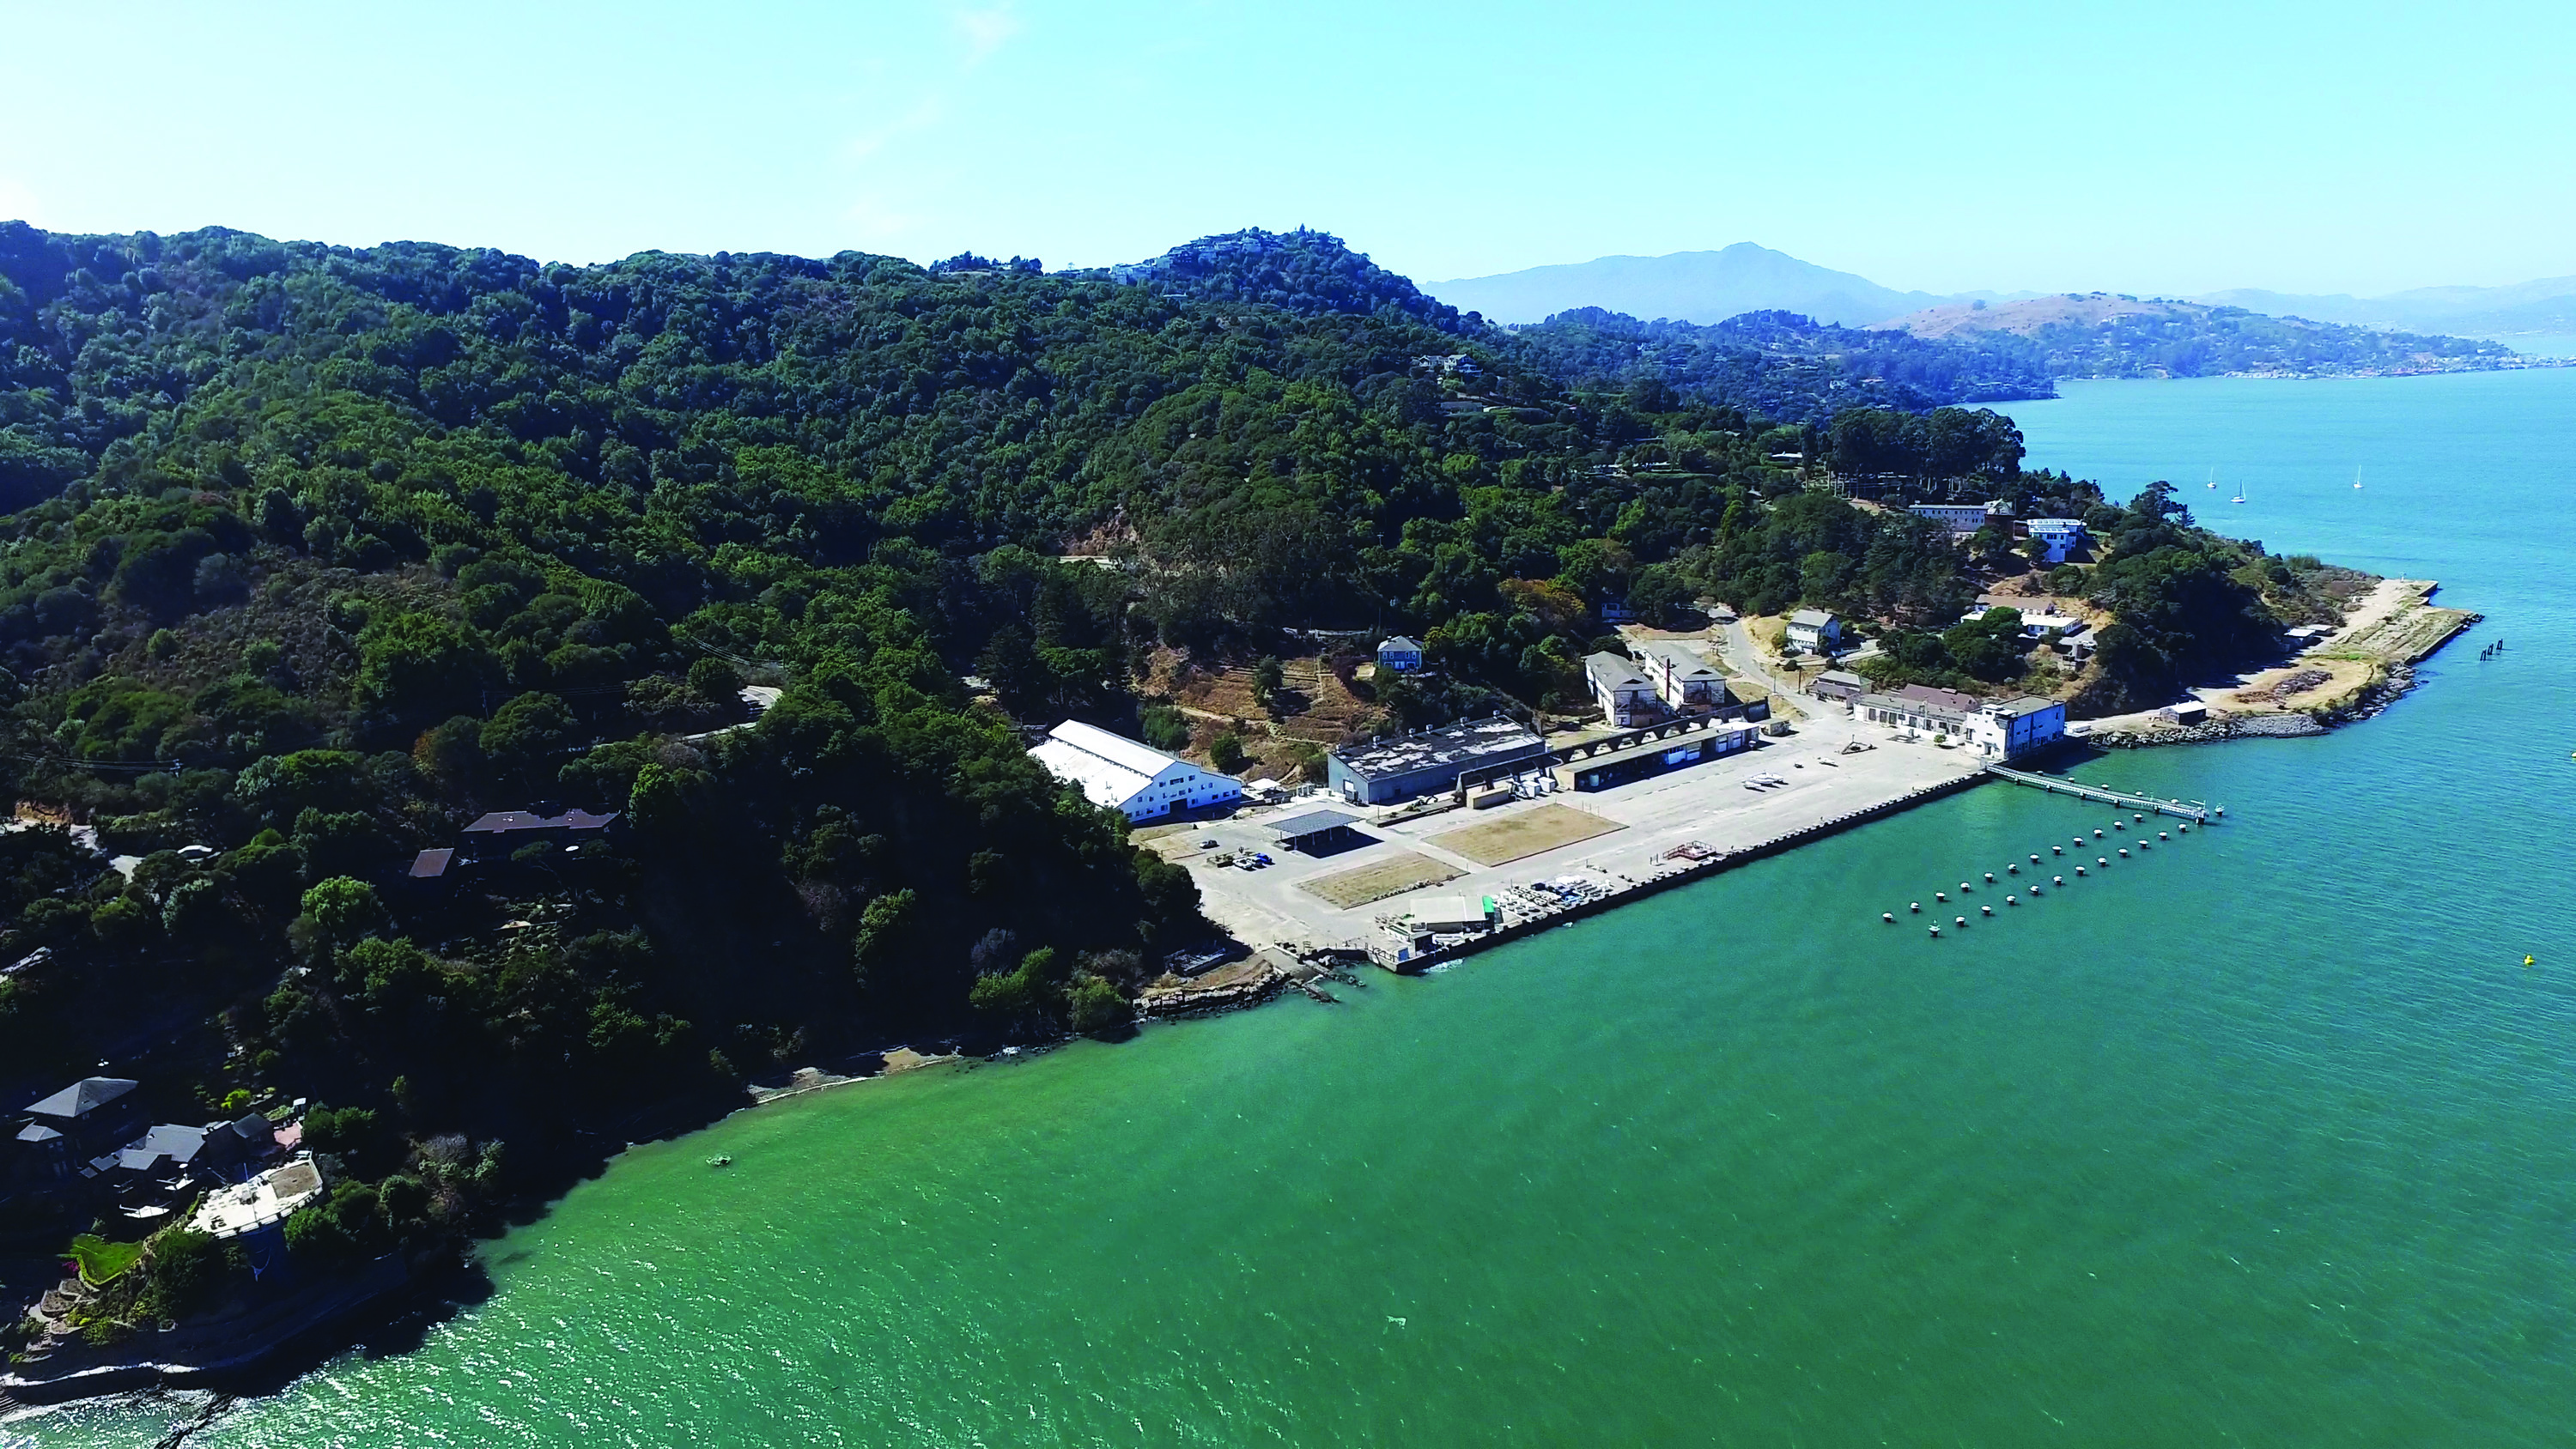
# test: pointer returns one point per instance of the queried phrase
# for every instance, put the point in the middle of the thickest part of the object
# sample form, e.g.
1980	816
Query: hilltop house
2061	537
496	835
1399	655
1124	775
1962	519
1815	631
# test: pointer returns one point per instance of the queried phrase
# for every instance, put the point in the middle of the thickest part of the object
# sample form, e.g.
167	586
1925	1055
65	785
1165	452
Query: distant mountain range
2547	305
1710	287
1703	287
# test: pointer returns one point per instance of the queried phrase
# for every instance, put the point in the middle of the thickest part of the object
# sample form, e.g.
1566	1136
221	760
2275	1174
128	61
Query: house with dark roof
496	835
65	1131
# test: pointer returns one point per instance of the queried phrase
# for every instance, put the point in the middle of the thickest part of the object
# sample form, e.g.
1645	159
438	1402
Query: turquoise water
2264	1137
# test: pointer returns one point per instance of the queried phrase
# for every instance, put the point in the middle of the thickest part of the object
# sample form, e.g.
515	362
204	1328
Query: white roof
1117	749
1681	657
1110	769
268	1198
1811	618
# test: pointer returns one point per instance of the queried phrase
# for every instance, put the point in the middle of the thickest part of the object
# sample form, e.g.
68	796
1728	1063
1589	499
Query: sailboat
2356	477
2213	478
2240	494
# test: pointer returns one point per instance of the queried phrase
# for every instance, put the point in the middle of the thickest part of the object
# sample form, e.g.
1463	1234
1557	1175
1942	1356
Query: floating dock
2192	810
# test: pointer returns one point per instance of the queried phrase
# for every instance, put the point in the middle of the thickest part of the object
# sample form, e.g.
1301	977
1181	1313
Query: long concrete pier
2192	810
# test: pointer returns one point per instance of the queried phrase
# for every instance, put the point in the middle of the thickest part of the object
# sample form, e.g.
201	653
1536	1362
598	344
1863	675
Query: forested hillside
2101	335
315	554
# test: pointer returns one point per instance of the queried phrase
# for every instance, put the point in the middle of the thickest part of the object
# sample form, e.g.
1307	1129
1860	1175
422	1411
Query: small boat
719	1162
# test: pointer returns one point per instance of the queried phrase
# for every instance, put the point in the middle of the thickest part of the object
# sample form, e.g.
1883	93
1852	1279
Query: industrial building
1654	757
1417	764
1124	775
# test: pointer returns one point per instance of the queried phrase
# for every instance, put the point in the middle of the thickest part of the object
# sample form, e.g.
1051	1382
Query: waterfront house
1815	631
1133	778
65	1131
1417	764
1626	696
1399	655
2185	712
1998	729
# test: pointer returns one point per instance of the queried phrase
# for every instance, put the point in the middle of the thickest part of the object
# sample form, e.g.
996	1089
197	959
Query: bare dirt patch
1379	879
1526	832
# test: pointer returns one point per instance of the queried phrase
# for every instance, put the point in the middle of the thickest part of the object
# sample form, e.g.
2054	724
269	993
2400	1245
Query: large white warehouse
1122	774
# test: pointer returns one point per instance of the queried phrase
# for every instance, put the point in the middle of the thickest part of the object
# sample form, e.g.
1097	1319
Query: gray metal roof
83	1097
1459	744
1312	823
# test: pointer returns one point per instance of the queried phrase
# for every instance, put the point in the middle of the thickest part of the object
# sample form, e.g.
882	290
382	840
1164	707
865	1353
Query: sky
2166	148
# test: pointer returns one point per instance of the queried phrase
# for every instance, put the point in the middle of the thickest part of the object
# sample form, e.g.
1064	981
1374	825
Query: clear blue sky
2164	147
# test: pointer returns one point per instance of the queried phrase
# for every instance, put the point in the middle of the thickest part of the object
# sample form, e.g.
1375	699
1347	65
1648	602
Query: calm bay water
2267	1137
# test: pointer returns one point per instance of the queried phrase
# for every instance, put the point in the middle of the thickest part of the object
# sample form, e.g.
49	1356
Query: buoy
1963	921
2034	890
2117	825
2013	868
2124	855
1964	888
2079	870
2055	850
2141	819
2097	834
2034	860
1940	895
2185	829
1916	907
2011	901
2057	880
1888	916
1990	877
2219	810
2104	860
2160	835
1936	930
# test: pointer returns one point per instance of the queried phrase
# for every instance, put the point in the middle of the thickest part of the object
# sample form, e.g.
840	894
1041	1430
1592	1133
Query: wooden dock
2192	810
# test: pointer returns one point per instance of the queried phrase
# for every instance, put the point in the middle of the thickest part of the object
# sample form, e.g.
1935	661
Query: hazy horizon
2303	149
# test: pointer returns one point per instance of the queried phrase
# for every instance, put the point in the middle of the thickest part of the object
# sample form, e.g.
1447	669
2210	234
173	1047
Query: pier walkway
2186	809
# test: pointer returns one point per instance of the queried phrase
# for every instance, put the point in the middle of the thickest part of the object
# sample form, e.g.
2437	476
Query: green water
2264	1137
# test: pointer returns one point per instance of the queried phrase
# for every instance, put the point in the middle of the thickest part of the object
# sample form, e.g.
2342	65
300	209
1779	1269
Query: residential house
1131	777
2061	536
1626	696
1683	680
496	835
1399	655
65	1131
1815	631
1962	519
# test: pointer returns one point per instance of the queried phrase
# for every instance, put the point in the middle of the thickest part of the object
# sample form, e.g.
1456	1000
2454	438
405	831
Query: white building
1962	518
1815	631
1682	679
1626	697
2062	536
2001	729
1117	772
